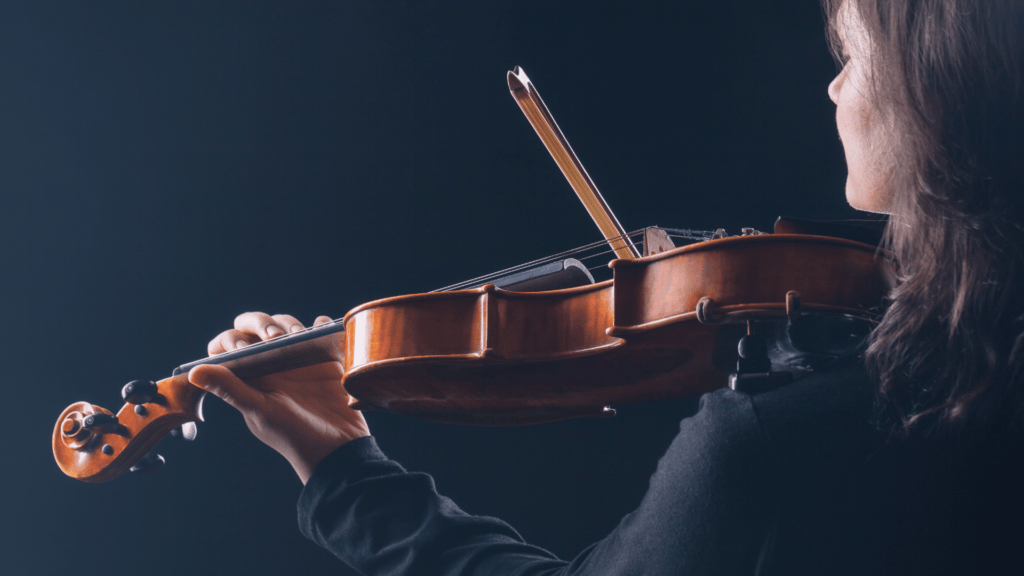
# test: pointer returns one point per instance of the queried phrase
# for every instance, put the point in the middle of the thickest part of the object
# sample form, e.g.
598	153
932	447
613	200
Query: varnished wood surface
479	323
490	357
178	402
748	270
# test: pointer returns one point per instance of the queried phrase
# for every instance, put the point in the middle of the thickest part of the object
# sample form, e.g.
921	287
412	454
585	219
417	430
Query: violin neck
324	343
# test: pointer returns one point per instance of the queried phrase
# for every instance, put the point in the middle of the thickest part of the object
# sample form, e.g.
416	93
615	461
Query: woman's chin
874	199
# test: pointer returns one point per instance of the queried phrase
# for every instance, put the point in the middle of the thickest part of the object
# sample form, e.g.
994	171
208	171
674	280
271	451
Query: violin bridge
656	241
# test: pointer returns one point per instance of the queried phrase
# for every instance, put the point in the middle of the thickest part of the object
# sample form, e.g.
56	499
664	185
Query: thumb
223	383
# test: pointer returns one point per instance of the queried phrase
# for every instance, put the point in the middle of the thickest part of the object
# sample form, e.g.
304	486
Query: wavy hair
948	76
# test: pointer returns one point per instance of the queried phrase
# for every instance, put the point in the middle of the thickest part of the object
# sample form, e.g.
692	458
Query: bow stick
540	118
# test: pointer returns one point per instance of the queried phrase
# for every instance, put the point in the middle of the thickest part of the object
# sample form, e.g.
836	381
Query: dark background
167	166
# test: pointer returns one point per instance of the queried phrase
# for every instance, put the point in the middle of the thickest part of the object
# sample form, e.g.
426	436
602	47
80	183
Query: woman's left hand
303	413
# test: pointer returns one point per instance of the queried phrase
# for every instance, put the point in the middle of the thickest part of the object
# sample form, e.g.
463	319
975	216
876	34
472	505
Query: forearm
708	510
380	519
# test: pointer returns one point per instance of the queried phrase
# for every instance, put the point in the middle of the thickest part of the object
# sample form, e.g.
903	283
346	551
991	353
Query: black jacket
789	481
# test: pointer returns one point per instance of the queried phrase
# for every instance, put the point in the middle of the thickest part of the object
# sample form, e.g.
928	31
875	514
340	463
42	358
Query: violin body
487	356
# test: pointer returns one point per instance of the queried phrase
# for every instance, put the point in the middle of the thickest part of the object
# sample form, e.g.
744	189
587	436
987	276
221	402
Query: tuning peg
187	431
139	392
100	423
151	462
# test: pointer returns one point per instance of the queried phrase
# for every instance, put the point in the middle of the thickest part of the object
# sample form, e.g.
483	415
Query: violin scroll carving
92	444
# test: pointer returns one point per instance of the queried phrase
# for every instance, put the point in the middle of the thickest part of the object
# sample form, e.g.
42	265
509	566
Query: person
905	458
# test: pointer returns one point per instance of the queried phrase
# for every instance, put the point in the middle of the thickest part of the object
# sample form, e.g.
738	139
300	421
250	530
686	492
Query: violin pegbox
94	445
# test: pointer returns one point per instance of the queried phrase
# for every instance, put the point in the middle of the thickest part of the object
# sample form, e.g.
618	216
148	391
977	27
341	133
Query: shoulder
722	445
833	401
836	400
814	431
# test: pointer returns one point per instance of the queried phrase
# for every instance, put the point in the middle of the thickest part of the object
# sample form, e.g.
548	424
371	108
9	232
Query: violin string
698	239
492	275
589	256
548	259
687	234
638	235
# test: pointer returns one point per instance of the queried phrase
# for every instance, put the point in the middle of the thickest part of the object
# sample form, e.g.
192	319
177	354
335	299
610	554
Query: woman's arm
708	511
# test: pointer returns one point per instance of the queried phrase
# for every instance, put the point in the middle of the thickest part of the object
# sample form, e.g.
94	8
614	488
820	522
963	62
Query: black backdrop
166	166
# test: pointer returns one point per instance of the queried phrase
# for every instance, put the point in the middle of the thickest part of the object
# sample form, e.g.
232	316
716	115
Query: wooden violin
519	347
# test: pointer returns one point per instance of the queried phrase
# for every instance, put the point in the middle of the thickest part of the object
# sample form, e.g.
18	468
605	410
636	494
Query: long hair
947	77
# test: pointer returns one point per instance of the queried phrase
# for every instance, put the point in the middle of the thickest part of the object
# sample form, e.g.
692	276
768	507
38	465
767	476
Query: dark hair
947	75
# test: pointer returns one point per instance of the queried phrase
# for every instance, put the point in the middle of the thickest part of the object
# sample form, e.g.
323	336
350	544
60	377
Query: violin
544	341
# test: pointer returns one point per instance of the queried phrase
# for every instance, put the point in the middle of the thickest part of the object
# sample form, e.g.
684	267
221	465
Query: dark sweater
789	481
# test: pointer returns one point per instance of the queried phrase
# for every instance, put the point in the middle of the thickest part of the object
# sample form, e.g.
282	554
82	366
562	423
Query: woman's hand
301	413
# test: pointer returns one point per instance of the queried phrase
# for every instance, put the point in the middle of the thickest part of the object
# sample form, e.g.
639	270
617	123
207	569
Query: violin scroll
94	445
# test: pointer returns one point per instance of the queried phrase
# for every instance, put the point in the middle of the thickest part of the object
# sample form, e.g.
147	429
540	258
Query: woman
910	466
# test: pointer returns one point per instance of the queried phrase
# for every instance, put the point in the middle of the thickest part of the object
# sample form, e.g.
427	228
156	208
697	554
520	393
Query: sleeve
708	510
